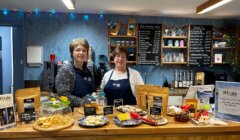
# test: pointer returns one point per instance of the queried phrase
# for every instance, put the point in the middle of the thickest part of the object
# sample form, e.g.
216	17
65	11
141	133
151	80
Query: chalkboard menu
200	45
149	40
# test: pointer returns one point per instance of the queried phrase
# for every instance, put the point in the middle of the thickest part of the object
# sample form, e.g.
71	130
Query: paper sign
229	101
118	102
155	110
88	111
28	117
108	110
7	113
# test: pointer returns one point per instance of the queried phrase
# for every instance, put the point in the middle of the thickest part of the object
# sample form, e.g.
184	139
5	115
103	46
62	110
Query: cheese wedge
124	116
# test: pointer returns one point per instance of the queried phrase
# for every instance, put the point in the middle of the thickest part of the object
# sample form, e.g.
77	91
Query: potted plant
232	57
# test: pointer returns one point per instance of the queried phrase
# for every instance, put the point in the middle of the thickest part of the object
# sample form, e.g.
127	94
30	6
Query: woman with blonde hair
75	80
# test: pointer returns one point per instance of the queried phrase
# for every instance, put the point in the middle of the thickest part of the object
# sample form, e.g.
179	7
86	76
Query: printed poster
7	113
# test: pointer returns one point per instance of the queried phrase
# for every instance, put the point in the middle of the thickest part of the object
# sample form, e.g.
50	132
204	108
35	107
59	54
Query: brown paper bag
27	93
161	92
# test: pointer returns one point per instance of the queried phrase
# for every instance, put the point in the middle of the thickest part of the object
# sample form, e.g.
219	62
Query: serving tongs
137	116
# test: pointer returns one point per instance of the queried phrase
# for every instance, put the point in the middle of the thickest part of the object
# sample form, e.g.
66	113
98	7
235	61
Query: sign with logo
7	113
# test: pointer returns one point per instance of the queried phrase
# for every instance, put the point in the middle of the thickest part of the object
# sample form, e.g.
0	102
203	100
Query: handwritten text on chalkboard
149	40
200	45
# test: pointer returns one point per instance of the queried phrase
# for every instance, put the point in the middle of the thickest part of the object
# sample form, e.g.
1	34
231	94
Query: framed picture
218	58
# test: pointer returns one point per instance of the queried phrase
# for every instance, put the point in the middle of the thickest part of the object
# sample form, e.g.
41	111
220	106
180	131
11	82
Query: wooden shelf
175	37
122	36
112	44
218	38
128	62
125	46
176	63
222	48
174	47
219	63
184	49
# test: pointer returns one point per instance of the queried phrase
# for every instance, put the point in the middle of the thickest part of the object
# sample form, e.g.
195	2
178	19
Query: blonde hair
76	42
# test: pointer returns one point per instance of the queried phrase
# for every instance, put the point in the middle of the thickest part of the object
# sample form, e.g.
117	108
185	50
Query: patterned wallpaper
55	32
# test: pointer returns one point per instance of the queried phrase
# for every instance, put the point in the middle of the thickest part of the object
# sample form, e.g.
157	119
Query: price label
28	117
90	111
118	102
29	105
108	110
157	101
155	110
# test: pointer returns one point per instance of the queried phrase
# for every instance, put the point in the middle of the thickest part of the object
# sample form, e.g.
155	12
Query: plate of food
173	110
154	120
53	123
125	120
128	108
93	121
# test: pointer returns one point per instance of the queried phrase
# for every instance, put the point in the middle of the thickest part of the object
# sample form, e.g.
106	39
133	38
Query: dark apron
83	84
119	89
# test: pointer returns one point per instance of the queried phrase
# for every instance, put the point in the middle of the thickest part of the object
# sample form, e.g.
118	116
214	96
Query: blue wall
5	33
55	32
16	20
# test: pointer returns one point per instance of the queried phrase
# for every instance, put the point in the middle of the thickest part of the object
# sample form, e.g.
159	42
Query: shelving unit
219	47
129	42
175	45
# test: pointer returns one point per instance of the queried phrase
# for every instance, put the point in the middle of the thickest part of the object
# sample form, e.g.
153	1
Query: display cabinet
175	45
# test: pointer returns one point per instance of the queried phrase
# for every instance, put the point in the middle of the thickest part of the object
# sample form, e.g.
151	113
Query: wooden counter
171	131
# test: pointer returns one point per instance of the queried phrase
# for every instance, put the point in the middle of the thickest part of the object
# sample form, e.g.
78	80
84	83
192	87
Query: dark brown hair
76	42
118	50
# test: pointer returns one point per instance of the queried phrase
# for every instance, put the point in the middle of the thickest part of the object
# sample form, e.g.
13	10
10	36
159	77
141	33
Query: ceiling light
69	4
210	5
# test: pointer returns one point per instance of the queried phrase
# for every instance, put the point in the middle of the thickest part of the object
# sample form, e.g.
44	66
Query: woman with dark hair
75	80
120	82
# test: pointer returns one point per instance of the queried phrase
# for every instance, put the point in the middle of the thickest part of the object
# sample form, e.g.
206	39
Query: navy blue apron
119	89
83	83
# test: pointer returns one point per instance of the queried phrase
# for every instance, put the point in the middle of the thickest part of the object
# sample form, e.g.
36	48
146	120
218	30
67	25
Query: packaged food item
55	106
158	98
193	103
23	96
142	92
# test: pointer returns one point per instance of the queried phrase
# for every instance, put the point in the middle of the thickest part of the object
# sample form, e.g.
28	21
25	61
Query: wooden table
171	131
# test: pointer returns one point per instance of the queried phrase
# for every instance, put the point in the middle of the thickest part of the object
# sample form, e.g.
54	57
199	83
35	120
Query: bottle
191	78
175	79
184	84
188	79
181	43
180	83
165	84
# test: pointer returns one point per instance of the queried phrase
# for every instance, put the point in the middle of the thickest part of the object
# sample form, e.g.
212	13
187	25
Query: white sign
7	113
229	101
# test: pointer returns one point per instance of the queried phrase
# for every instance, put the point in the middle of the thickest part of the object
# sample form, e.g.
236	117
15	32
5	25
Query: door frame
1	77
